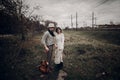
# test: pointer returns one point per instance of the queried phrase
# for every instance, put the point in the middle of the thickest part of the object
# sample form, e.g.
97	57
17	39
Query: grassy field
88	55
91	54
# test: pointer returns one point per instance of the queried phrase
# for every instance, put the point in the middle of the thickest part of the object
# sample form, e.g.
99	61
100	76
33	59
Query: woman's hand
56	46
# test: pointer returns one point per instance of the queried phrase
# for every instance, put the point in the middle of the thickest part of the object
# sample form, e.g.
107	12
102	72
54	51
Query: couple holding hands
52	39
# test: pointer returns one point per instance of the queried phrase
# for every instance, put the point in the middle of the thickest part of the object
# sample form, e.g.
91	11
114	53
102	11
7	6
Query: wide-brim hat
51	25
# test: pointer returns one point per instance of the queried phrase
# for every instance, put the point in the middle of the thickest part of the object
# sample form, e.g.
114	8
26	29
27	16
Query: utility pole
95	21
71	22
92	19
76	21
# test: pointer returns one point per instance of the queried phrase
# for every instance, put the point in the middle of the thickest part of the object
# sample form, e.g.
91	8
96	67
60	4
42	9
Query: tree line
13	19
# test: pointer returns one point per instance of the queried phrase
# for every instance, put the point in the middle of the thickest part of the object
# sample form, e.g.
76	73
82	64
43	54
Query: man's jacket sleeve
44	37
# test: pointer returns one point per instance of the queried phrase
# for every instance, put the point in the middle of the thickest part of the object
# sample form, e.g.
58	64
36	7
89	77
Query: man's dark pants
49	54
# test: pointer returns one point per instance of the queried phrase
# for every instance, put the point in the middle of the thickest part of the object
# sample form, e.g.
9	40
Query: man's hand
46	49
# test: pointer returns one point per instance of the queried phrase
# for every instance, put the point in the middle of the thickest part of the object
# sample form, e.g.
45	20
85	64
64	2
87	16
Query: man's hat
51	25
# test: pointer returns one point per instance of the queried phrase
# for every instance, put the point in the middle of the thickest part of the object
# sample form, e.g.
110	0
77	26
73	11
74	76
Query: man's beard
51	33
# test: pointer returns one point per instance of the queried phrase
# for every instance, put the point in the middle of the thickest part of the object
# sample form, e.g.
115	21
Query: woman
59	48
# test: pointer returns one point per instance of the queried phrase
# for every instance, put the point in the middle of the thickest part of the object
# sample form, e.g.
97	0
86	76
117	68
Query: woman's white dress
59	49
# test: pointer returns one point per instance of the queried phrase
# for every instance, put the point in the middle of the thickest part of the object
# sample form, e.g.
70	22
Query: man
48	40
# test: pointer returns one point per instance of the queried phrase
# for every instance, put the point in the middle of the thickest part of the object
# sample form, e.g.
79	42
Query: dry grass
87	56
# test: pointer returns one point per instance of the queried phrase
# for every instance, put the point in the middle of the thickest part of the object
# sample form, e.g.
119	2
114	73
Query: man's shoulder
46	32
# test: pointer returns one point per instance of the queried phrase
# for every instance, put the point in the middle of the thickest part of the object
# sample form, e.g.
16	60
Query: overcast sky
61	10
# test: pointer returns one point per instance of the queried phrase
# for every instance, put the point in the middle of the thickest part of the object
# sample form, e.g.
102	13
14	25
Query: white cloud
61	10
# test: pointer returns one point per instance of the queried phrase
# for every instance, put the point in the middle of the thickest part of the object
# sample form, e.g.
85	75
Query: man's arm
44	37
